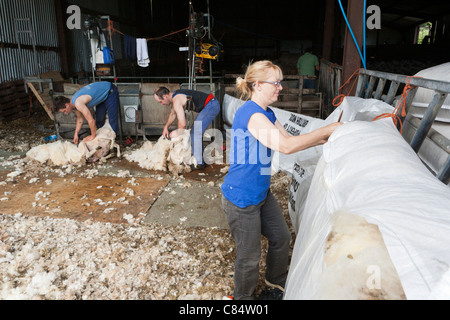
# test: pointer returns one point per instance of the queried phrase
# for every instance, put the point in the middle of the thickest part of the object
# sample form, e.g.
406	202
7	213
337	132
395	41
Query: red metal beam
60	7
351	59
328	29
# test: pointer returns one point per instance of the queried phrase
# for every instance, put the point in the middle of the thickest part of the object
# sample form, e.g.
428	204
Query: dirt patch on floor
100	198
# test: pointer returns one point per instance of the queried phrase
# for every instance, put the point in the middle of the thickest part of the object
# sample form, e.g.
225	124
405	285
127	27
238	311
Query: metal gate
432	147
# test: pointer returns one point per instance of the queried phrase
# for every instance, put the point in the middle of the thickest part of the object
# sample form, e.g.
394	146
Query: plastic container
108	56
51	138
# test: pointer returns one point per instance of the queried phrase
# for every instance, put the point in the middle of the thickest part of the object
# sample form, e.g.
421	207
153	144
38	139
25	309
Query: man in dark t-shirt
205	104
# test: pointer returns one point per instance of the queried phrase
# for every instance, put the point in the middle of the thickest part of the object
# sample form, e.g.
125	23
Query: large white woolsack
296	124
229	108
302	164
424	96
369	171
353	108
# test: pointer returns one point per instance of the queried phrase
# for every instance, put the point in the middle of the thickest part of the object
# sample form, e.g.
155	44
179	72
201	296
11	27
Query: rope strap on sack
401	105
340	98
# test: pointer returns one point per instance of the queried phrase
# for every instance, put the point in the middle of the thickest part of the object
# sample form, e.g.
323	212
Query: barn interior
175	221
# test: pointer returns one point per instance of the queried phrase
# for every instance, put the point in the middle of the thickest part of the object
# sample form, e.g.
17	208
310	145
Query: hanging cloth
143	59
130	46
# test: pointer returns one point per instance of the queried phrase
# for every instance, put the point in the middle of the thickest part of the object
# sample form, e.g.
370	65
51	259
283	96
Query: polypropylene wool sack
354	108
296	124
369	176
229	108
302	165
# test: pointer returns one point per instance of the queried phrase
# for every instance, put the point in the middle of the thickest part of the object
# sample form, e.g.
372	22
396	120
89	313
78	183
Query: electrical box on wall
130	113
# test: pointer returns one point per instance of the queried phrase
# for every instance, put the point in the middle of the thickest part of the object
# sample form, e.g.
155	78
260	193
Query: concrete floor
190	204
192	201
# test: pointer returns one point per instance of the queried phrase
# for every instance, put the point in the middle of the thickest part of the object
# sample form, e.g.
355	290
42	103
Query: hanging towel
103	42
130	47
142	53
94	50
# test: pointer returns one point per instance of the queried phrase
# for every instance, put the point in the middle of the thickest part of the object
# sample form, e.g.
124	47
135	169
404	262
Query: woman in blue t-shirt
250	207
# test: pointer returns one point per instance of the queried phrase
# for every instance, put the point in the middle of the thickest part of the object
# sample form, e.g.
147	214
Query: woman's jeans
247	225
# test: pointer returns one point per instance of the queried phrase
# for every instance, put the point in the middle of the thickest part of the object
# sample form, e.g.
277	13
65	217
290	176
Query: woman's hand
328	131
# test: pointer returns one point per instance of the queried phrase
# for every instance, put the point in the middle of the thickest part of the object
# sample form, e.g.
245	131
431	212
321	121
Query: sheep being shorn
59	153
173	155
101	148
63	152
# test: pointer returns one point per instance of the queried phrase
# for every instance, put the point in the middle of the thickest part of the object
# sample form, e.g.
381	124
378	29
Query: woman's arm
274	138
282	129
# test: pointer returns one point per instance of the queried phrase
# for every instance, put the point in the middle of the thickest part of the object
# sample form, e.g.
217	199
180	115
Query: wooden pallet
14	101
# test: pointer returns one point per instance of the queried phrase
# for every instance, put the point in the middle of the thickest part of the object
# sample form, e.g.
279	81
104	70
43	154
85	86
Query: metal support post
427	121
444	174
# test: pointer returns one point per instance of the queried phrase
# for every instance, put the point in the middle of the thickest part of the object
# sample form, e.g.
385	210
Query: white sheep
173	155
102	146
63	152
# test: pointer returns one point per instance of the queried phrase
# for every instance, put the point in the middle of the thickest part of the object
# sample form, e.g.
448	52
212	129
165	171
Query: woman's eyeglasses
276	84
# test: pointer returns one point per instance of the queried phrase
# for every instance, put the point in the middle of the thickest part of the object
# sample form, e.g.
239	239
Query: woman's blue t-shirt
248	180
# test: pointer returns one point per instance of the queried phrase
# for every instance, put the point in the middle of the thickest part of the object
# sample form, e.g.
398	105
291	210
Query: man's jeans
247	225
204	119
110	106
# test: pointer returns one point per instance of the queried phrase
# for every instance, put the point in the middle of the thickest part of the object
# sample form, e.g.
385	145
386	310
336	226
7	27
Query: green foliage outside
424	30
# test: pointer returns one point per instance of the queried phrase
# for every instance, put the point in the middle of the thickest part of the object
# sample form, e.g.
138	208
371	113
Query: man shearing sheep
205	104
103	95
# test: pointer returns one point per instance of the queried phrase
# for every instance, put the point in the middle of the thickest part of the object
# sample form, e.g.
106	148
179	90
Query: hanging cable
167	35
